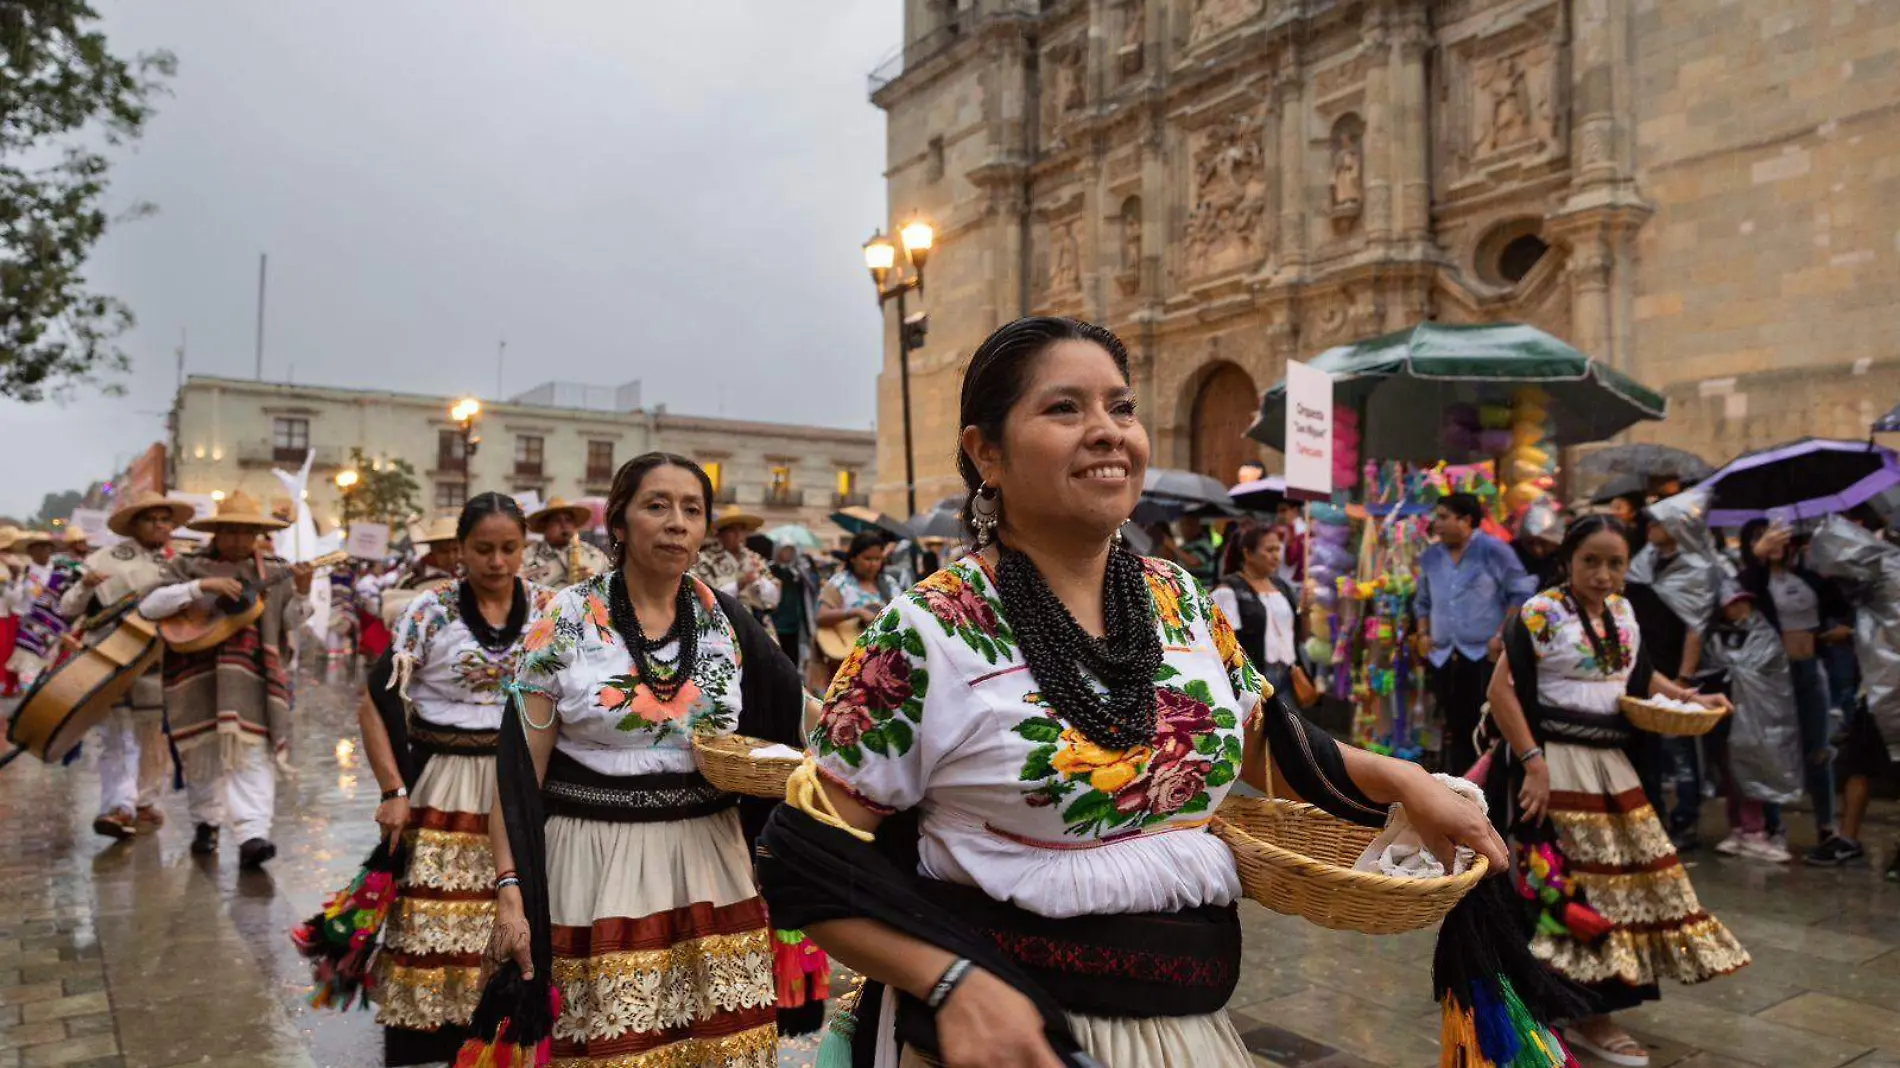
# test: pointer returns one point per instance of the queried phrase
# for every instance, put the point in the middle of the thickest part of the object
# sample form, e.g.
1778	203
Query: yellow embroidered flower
1167	598
1107	770
848	673
1225	643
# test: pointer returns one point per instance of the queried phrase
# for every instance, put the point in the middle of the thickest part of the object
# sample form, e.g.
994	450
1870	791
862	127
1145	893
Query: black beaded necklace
1125	659
685	631
1606	647
484	632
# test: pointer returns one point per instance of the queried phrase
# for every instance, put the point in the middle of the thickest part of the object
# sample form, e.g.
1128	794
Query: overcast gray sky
673	192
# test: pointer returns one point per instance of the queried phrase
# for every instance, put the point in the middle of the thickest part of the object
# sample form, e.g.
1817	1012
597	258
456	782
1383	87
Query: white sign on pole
92	523
368	541
202	505
529	500
1309	432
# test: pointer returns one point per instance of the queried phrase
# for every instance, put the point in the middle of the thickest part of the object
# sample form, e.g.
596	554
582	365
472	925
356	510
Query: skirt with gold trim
1619	854
428	975
661	945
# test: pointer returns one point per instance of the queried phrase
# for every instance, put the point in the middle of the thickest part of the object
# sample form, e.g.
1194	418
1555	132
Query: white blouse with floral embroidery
448	677
609	720
1568	674
936	709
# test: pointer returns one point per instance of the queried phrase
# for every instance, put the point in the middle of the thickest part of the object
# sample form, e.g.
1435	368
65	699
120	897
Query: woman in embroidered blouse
1045	818
1261	605
661	949
1570	794
454	650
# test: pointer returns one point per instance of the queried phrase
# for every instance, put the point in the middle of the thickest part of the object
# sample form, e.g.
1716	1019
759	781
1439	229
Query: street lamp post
466	413
346	481
881	257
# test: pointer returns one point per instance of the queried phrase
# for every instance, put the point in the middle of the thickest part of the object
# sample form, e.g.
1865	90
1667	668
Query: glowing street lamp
880	255
346	479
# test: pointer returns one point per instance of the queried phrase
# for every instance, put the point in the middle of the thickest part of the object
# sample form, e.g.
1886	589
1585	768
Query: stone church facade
1705	193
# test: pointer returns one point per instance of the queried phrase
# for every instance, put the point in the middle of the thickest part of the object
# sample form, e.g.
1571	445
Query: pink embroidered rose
958	603
1178	715
884	683
844	723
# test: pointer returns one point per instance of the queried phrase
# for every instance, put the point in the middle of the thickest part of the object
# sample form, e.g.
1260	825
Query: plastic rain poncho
1689	585
1843	550
1764	735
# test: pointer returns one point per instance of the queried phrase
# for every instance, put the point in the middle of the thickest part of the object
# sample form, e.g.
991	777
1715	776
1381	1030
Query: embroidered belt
1593	730
436	740
573	789
1139	964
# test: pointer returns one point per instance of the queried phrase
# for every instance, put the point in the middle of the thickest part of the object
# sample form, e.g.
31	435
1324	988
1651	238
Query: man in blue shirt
1469	585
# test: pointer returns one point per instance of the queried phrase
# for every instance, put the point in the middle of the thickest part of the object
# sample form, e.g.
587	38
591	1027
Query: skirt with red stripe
661	945
428	974
1619	854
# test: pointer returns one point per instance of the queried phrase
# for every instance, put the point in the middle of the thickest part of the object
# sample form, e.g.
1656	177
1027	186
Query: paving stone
70	1051
32	1034
31	992
88	1025
1745	1038
1850	1021
59	1009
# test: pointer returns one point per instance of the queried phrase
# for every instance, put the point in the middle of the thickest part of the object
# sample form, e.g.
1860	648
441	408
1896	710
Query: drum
119	645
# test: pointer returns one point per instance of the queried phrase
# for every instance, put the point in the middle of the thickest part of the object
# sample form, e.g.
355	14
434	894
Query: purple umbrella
1800	480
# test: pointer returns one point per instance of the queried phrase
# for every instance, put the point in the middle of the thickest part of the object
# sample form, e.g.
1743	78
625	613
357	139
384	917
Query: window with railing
715	473
779	491
289	439
450	452
528	455
848	492
450	495
600	462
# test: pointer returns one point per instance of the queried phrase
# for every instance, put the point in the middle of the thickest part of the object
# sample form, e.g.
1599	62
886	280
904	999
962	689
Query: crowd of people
1011	776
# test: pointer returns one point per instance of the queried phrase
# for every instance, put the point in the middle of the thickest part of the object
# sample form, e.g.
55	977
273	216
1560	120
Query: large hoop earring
986	510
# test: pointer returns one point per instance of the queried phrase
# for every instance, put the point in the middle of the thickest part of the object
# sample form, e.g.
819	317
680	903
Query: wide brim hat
435	529
240	509
32	537
8	536
734	516
121	520
581	515
75	536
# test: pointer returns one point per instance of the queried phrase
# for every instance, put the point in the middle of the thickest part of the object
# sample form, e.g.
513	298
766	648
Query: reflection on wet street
139	955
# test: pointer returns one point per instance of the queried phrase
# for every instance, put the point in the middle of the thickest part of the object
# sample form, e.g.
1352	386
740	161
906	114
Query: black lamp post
465	413
894	283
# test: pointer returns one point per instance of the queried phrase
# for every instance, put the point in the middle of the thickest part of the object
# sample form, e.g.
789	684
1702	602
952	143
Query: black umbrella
1182	487
937	523
1651	461
1621	486
1800	480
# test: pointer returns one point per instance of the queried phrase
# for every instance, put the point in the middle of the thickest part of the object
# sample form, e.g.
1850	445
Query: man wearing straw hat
76	548
230	704
440	556
561	559
727	565
134	757
35	592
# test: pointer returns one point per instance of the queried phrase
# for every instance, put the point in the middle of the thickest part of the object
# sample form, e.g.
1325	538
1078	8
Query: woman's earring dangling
986	509
1117	541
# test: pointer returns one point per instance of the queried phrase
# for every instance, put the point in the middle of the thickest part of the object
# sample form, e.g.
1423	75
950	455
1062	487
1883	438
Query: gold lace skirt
1618	852
661	946
429	971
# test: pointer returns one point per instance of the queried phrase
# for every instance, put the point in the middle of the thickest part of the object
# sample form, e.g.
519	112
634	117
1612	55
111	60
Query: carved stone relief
1129	55
1228	191
1072	79
1128	279
1514	106
1214	17
1065	258
1349	161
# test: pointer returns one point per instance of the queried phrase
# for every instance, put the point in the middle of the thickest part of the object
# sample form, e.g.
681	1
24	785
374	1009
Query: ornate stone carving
1340	77
1072	79
1349	179
1214	17
1229	197
1134	38
1131	234
1065	258
1514	101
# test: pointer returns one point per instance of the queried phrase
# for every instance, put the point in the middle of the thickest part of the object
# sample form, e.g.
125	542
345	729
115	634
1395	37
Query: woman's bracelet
953	976
507	881
1530	754
392	794
509	874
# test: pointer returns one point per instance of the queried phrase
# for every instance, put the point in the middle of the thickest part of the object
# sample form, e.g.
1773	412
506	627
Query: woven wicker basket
1298	860
727	762
1678	724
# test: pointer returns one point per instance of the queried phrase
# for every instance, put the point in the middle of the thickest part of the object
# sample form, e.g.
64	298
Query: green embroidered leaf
1222	774
1039	730
1166	671
852	755
873	740
1199	804
919	683
1231	747
899	734
1040	764
1092	807
982	644
912	710
913	642
1224	719
631	722
1199	691
1207	744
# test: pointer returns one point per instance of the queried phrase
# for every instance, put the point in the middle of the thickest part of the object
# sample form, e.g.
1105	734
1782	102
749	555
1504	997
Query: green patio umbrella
1402	383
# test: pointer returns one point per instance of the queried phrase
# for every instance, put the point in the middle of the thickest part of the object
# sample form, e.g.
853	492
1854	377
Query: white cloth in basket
1401	853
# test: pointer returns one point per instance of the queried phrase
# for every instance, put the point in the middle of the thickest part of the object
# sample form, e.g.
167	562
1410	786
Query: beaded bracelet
509	874
1530	754
506	881
953	976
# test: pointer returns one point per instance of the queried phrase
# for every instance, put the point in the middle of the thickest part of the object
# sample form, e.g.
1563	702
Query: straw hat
239	509
75	536
435	529
121	520
8	537
734	516
32	537
581	515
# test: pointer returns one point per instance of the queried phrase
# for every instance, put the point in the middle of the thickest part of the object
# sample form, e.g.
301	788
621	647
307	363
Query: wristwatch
400	791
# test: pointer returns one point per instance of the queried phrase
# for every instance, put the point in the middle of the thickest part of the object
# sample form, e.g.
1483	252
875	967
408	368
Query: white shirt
1279	644
450	679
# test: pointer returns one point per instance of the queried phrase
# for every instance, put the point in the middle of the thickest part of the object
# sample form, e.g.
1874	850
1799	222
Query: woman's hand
509	940
1534	799
392	816
1446	819
1711	701
986	1023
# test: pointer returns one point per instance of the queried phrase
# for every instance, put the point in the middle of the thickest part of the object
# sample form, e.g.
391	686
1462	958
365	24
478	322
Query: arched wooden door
1224	408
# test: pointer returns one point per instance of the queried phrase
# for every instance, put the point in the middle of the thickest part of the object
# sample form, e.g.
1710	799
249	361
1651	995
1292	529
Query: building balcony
526	472
599	479
726	495
850	500
267	454
784	497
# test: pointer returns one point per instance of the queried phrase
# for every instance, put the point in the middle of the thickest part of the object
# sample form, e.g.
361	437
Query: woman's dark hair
999	372
483	505
1583	530
627	482
862	542
1751	532
1464	506
1250	537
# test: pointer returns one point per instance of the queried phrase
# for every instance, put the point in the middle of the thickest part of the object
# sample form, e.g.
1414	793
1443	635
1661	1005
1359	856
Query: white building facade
228	433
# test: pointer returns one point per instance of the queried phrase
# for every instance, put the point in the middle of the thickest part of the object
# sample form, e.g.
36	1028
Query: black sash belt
573	789
1139	965
434	740
1590	730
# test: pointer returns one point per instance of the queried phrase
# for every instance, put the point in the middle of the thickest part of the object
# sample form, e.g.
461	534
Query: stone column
1379	120
1410	117
1591	263
1290	108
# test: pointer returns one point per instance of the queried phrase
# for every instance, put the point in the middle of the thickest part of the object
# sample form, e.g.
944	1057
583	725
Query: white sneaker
1734	845
1759	846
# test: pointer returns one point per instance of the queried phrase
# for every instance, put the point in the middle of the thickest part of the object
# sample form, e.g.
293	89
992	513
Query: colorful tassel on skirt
1500	1004
513	1025
341	940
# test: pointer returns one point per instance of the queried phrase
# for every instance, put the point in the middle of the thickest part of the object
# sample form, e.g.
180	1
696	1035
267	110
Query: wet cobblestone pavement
138	955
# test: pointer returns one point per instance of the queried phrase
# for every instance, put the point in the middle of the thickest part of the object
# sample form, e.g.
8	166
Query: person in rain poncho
1761	757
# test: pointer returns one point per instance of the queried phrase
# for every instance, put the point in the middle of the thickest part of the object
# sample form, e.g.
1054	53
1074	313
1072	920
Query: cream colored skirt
1161	1042
661	946
429	971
